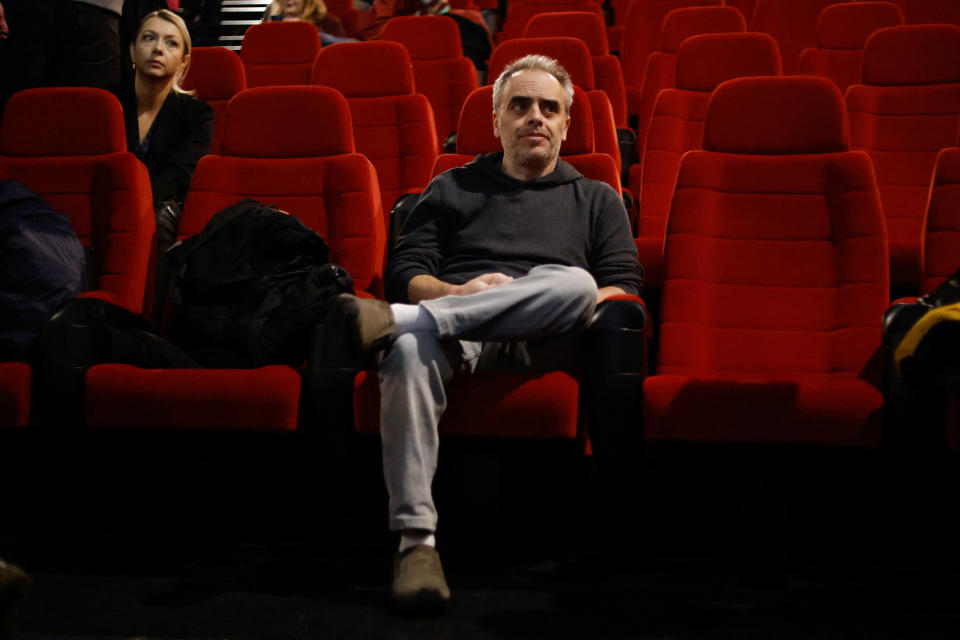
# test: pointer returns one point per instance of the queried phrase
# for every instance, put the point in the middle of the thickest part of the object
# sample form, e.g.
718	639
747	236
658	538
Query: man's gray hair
534	62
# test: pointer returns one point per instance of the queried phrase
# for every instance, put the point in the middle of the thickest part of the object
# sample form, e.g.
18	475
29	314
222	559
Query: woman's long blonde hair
314	11
177	21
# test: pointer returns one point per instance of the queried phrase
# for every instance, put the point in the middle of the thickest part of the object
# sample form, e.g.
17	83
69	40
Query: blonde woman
312	11
167	128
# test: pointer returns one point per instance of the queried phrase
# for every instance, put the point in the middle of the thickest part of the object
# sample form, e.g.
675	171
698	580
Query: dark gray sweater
476	219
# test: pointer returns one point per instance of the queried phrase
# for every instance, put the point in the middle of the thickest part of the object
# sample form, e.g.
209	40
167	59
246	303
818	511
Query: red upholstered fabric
912	55
425	37
15	378
775	277
279	53
103	189
643	27
941	226
930	11
793	24
588	27
764	115
392	126
585	25
678	25
216	75
65	121
323	125
848	25
121	396
440	70
520	13
676	127
571	53
903	127
365	69
501	405
842	31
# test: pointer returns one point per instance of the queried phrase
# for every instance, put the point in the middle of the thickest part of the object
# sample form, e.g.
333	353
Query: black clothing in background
59	43
181	134
475	40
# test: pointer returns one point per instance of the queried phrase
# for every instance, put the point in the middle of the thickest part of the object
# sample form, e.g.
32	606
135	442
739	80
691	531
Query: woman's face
292	8
158	50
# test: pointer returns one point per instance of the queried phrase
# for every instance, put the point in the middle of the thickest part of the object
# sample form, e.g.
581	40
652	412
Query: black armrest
617	343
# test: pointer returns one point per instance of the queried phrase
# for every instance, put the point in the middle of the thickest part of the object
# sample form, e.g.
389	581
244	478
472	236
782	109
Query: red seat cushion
123	396
499	405
941	227
216	74
15	381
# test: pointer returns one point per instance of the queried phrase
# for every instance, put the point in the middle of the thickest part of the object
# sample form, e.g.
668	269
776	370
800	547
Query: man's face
531	120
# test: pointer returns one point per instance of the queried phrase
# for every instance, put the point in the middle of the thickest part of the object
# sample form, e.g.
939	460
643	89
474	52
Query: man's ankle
413	537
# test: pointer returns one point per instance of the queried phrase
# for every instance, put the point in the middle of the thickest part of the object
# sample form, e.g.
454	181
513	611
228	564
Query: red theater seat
588	27
440	70
678	25
574	56
392	125
703	62
776	276
279	53
305	165
904	113
641	37
518	14
216	74
842	31
793	24
931	11
69	145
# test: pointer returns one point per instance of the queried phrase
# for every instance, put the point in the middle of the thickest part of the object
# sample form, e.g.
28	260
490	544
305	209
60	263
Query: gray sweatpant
549	300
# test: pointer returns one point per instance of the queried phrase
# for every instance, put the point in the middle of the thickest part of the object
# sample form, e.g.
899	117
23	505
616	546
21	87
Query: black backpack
248	290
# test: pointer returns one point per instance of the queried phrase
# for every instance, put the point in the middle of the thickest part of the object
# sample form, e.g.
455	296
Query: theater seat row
775	273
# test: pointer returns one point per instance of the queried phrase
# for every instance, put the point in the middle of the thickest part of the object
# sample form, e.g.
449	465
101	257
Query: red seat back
776	262
678	25
440	70
392	125
306	166
842	31
520	13
588	27
642	29
676	127
793	24
279	53
69	145
904	113
216	74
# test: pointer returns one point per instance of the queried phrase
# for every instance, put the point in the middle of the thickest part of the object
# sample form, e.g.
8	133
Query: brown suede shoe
367	323
418	582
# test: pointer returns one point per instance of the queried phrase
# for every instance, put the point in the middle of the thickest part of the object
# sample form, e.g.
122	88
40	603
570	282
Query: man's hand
424	287
480	283
605	292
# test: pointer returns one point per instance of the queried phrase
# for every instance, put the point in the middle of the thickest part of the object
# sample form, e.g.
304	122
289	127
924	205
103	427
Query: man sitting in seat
513	246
